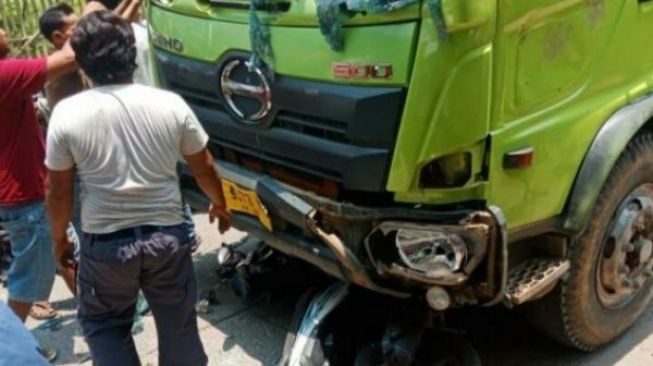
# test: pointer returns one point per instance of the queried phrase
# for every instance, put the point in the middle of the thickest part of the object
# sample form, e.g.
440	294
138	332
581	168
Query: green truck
458	152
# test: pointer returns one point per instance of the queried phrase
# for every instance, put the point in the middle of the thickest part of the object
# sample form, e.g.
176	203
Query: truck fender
609	143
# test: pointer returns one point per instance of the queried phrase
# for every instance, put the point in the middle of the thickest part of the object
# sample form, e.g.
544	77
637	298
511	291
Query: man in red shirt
23	174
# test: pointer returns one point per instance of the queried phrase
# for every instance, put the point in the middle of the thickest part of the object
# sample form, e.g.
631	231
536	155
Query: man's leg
21	309
32	270
107	290
169	284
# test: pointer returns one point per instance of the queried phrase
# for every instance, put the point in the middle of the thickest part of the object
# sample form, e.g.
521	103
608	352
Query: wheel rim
626	261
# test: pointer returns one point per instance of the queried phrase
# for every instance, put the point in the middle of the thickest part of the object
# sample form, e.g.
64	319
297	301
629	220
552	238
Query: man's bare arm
60	63
122	6
131	11
92	6
207	177
59	201
126	9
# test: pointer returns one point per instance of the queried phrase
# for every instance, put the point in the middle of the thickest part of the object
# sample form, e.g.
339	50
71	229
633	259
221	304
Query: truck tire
609	283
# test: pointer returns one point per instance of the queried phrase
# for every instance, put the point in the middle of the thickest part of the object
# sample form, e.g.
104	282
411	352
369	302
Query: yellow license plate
246	201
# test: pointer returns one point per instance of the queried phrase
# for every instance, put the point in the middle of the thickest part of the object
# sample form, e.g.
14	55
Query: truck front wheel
609	283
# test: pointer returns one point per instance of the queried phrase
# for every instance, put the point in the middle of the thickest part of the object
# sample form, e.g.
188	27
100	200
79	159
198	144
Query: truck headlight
428	253
431	251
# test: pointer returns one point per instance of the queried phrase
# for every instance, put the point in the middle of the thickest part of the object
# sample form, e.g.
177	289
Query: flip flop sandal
42	311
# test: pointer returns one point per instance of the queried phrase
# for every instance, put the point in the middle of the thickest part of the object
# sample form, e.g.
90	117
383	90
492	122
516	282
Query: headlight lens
432	252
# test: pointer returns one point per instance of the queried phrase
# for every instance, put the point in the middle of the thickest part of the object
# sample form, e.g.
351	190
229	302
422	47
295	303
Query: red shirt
22	149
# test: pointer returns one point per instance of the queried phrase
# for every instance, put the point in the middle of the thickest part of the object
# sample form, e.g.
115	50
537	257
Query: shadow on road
505	338
64	335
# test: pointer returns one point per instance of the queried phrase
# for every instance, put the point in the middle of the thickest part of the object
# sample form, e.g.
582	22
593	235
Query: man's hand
64	254
222	214
208	179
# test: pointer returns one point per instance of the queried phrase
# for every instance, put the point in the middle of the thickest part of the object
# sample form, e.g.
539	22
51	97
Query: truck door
549	73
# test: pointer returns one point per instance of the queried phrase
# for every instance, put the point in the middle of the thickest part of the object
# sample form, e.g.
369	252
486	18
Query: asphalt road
235	332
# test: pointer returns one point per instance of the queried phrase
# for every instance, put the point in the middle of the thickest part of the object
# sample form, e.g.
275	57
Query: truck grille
296	122
338	133
306	125
196	97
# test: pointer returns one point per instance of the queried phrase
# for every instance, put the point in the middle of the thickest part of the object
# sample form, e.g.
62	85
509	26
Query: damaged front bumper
391	250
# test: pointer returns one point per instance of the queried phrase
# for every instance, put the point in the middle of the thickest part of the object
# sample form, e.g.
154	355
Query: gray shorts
112	269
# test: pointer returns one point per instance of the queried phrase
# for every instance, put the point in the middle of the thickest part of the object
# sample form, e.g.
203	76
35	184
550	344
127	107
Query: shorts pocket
22	223
15	230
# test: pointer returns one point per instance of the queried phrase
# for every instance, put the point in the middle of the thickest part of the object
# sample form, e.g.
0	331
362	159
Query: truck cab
456	150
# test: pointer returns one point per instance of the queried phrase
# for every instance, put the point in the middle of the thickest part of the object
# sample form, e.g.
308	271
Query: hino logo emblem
246	90
167	42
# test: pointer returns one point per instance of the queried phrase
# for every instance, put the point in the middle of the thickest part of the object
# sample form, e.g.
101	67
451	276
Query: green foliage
20	19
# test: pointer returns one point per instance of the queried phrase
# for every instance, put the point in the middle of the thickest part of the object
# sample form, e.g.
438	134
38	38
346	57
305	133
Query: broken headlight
427	253
431	251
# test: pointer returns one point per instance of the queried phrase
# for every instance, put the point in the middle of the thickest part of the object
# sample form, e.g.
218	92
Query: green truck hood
291	13
208	33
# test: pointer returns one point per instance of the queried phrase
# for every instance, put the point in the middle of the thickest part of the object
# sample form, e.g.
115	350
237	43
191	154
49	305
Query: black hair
105	47
109	4
53	19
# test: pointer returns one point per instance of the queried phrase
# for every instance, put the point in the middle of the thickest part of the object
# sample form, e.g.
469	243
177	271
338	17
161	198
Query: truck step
533	279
